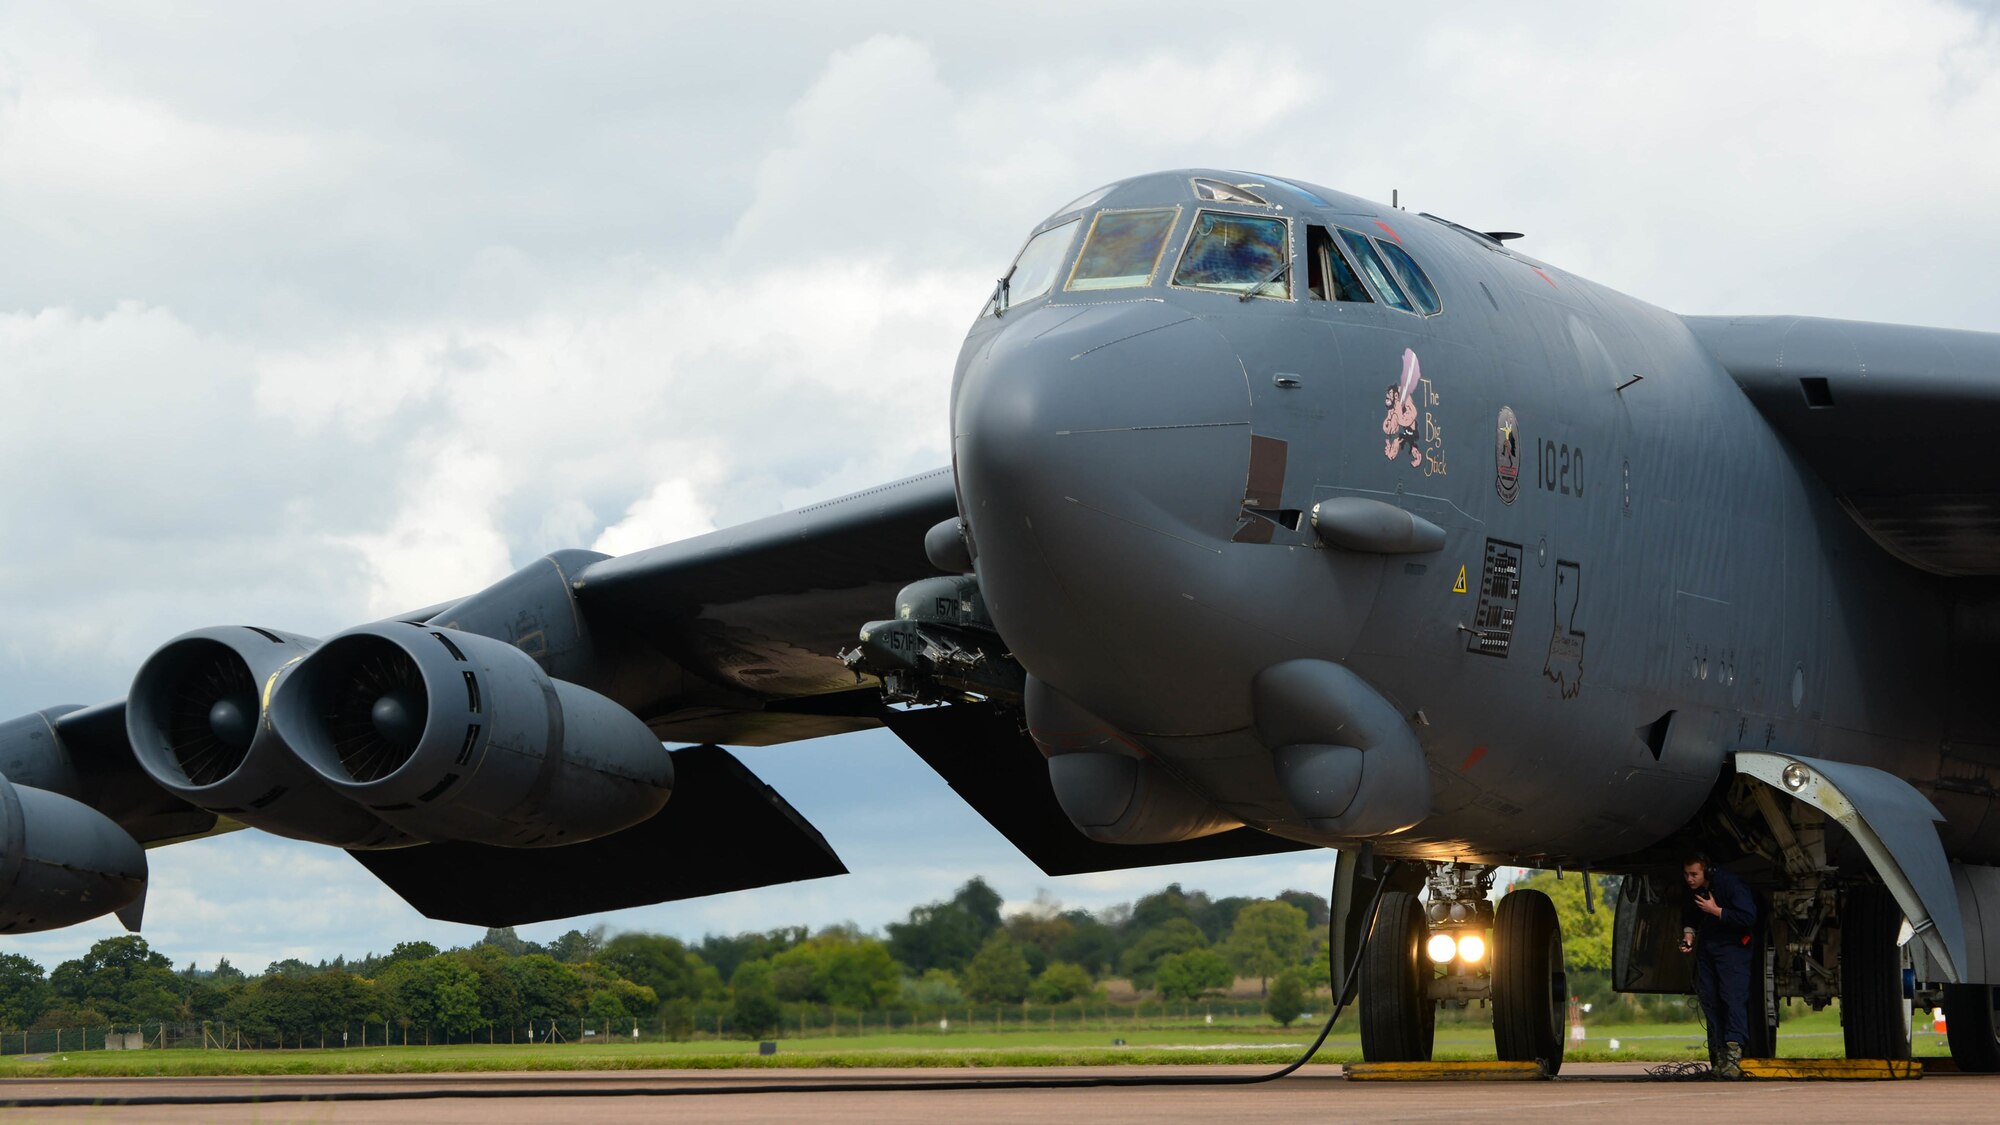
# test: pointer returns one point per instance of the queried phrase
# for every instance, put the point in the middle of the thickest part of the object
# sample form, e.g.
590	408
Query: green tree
504	939
1060	983
121	977
937	988
339	998
795	975
413	951
1287	998
1193	974
1267	938
660	963
439	993
1142	958
1090	943
856	971
545	987
1165	905
24	991
575	947
1314	906
272	1006
725	953
753	1002
945	935
1586	936
998	972
499	999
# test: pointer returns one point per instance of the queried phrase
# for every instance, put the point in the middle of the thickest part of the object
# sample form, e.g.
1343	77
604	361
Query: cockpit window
1241	253
1034	272
1377	270
1329	277
1413	277
1123	249
1219	192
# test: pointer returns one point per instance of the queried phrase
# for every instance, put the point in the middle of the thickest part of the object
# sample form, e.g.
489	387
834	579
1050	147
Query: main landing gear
1453	947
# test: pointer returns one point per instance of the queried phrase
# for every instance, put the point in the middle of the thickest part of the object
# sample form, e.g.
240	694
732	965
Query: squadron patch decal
1409	398
1506	457
1565	663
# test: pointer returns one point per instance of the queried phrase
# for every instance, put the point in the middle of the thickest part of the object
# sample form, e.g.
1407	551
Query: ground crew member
1716	926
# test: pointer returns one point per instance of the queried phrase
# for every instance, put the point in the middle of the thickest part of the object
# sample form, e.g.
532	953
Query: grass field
1179	1042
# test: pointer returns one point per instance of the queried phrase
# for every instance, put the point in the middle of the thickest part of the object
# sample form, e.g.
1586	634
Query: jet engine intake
196	721
63	862
455	736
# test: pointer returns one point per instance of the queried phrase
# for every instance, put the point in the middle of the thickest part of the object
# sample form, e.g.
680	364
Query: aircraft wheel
1874	1012
1398	1017
1764	1003
1530	989
1971	1027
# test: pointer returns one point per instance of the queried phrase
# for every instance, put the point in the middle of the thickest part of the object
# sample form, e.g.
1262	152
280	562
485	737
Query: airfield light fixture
1441	948
1471	947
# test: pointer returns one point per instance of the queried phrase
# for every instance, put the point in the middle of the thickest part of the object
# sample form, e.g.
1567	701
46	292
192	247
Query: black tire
1763	1021
1398	1017
1874	1020
1971	1027
1530	989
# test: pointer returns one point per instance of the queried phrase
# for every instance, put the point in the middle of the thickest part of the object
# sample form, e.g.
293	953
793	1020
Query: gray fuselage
1647	579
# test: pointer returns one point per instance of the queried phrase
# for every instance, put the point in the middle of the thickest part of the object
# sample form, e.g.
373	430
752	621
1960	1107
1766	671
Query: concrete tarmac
1586	1092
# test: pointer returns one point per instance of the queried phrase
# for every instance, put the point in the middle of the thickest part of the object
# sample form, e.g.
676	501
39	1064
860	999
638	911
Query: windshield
1236	252
1123	249
1034	272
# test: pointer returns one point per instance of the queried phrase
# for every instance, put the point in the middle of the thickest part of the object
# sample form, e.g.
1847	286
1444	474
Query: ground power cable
1094	1082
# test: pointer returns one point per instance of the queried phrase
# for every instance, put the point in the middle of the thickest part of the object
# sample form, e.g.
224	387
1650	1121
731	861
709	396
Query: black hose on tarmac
1082	1083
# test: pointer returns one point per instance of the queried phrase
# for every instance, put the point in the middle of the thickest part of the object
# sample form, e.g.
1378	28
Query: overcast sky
310	313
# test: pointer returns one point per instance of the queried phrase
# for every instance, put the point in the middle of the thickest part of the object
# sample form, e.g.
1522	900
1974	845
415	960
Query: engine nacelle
63	862
454	736
196	719
1109	788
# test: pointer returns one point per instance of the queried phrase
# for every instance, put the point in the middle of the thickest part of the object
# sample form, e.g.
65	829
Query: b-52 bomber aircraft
1276	519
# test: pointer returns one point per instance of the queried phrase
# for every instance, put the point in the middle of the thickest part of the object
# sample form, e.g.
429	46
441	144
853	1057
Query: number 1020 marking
1559	467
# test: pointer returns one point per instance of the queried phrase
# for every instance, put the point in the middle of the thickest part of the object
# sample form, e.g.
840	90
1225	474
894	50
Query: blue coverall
1722	958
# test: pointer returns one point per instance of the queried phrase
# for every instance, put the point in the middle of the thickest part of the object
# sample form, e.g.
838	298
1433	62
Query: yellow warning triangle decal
1458	587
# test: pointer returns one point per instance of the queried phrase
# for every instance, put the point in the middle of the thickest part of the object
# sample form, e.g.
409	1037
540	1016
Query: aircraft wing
730	637
1900	422
755	616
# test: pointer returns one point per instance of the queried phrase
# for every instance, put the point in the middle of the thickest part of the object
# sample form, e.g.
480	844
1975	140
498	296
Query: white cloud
673	510
312	316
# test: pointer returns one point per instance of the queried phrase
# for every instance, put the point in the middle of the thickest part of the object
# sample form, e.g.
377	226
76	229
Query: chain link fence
680	1022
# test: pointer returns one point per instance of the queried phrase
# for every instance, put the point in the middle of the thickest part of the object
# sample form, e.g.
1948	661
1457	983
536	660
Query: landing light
1795	776
1441	948
1471	947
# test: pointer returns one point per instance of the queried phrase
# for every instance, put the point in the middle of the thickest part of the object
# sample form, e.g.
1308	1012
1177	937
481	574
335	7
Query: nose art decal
1408	399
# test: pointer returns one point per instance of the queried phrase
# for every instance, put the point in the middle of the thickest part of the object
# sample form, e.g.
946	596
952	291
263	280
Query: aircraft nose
1101	459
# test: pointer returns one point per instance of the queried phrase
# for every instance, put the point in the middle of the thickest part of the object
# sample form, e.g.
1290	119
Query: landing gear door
1646	938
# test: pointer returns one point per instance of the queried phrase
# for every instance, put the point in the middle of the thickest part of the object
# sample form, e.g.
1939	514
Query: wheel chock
1470	1070
1853	1070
